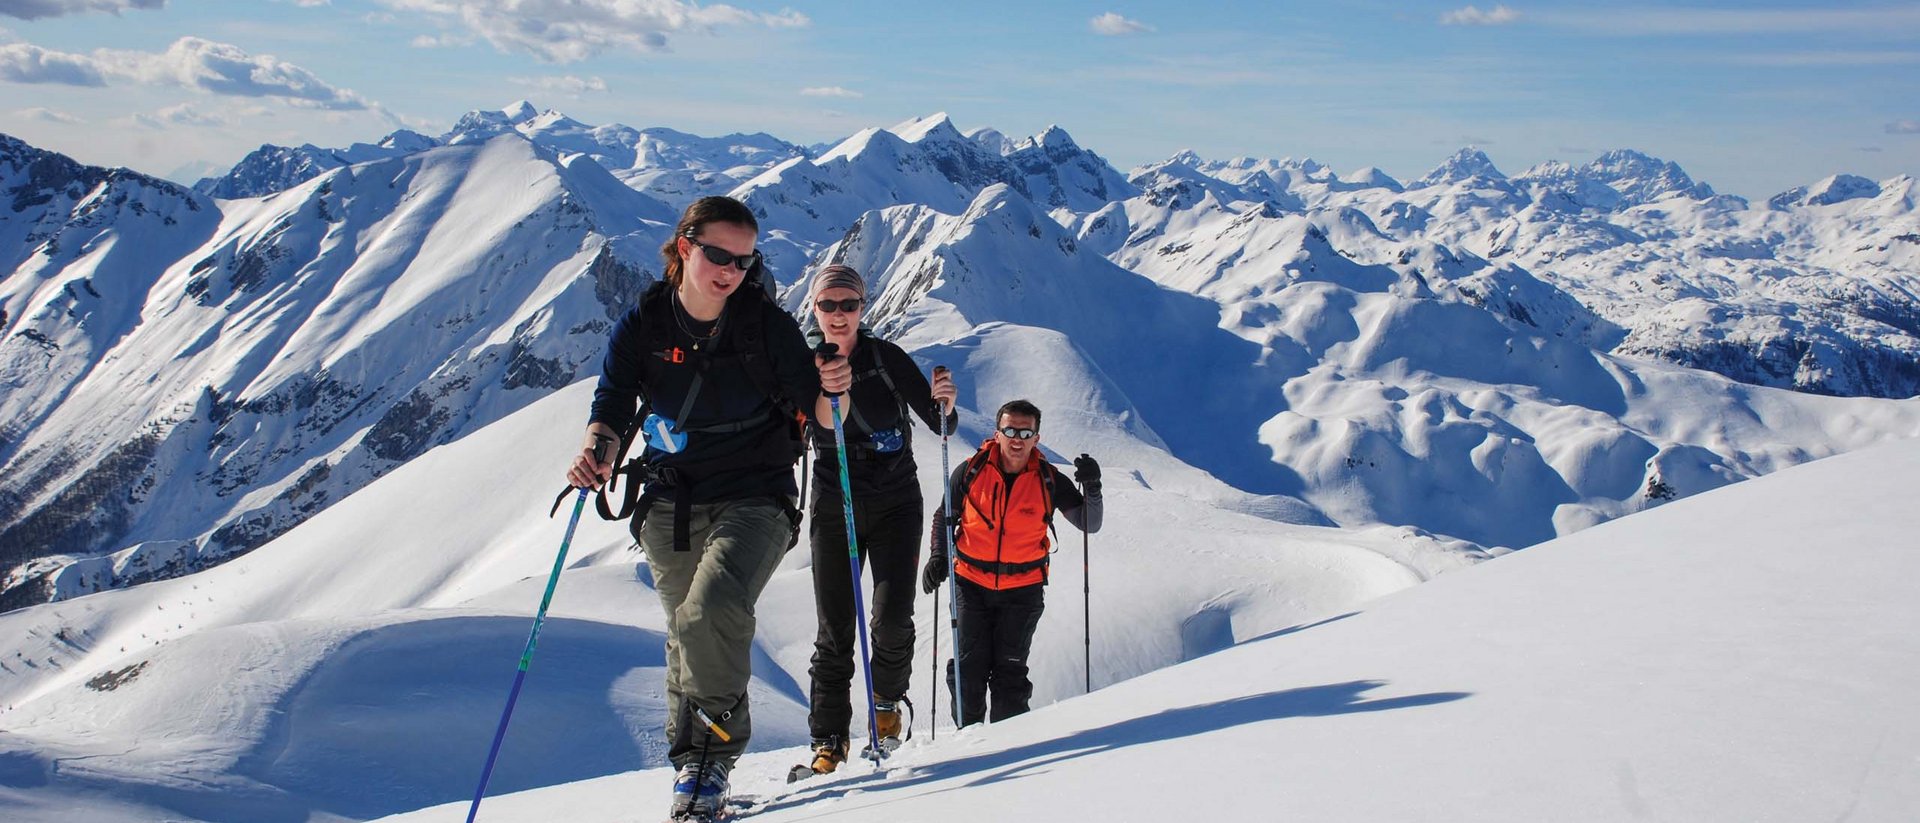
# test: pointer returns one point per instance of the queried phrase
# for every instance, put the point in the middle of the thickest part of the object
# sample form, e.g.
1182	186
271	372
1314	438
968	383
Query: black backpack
748	304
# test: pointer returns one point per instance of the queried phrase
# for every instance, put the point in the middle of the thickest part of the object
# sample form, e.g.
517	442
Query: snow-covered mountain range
1474	356
322	425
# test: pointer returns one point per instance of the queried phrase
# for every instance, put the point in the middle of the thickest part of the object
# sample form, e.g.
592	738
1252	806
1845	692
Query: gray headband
839	277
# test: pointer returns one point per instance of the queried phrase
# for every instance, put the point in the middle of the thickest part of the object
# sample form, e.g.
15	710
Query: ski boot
828	754
892	724
699	793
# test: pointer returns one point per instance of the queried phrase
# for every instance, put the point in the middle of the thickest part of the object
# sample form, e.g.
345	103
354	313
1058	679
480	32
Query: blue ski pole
526	657
853	561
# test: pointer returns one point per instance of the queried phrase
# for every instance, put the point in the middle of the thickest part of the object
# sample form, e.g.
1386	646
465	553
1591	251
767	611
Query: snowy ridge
661	162
271	169
292	348
1817	298
926	161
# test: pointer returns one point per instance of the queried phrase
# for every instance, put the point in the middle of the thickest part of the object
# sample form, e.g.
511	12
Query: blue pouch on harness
660	435
887	441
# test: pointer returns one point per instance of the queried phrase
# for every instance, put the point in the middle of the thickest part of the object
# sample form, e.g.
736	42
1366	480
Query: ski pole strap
711	725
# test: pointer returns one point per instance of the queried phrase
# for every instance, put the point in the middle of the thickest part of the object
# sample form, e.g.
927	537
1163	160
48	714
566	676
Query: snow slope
1741	655
356	665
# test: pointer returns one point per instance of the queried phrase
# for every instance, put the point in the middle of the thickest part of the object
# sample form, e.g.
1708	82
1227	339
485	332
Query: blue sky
1751	97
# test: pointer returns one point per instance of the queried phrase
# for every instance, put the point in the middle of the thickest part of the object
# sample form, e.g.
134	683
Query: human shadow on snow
1020	761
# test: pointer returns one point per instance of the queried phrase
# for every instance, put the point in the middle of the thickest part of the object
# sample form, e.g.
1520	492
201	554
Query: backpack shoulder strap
1047	474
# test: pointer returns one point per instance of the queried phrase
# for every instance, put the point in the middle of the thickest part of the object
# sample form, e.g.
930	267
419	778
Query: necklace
685	321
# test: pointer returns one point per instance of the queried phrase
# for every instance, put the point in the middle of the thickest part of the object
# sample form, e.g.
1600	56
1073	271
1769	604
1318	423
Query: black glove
934	574
1086	470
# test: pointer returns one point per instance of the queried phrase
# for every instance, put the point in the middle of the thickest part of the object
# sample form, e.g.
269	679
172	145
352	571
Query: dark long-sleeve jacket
872	415
739	441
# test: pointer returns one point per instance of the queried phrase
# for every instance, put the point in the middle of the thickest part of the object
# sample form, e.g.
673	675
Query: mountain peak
1466	164
520	111
1186	157
1617	179
1837	188
936	127
991	139
1054	138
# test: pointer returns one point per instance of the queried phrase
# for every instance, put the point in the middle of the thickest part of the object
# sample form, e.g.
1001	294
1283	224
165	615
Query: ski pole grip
946	408
830	351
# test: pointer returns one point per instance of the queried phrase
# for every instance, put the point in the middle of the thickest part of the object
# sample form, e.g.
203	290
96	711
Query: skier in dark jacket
726	374
877	421
1003	499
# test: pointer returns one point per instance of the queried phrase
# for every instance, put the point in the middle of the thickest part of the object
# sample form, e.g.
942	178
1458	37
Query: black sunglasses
849	305
721	257
1019	434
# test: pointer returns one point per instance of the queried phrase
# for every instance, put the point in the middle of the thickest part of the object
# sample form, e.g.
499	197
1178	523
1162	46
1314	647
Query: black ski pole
933	670
933	679
1086	588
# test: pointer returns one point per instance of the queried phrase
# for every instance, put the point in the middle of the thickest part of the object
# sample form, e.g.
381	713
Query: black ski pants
890	529
996	634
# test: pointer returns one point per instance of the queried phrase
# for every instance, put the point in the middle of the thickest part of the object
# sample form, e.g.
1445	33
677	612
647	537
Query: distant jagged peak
1837	188
1547	170
1308	167
937	126
1185	157
520	111
407	140
481	124
1620	179
548	120
991	139
1370	177
860	143
1469	163
1052	139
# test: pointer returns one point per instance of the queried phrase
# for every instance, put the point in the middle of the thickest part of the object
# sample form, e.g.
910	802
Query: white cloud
1114	25
28	63
1904	127
829	91
564	31
566	84
443	41
1473	16
37	9
177	116
46	115
193	63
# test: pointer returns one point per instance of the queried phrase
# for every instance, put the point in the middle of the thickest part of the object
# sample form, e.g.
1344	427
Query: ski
733	807
888	745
